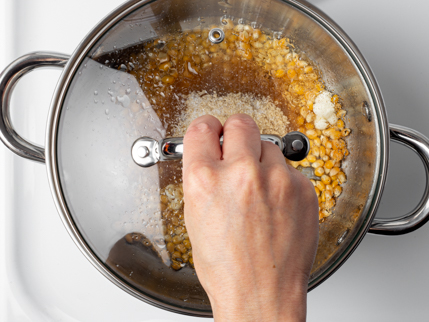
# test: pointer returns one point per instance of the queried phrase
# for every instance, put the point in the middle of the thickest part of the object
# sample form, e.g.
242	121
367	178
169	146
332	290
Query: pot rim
81	52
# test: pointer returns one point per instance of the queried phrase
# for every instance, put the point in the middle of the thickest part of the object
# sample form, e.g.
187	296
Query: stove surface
43	275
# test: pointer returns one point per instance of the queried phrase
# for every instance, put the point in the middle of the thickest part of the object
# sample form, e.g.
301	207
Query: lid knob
296	146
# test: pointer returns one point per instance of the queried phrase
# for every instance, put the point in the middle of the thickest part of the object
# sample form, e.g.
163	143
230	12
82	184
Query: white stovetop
44	277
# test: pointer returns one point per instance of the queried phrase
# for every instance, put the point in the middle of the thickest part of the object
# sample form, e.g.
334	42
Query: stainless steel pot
97	187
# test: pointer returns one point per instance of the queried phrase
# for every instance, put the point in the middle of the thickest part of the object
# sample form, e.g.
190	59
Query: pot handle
8	79
420	215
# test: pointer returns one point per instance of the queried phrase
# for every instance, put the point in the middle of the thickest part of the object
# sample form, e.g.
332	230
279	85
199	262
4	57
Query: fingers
271	154
201	142
241	138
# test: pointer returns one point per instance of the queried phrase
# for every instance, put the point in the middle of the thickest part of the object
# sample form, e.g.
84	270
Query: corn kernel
246	54
323	139
279	73
338	155
315	149
165	66
325	179
335	135
330	203
345	132
291	73
340	124
329	164
334	99
305	163
328	194
311	134
300	90
337	191
341	113
311	158
294	164
303	111
334	171
168	79
181	248
319	171
244	36
326	213
310	117
256	34
308	69
342	177
309	126
291	65
317	142
300	120
320	185
318	164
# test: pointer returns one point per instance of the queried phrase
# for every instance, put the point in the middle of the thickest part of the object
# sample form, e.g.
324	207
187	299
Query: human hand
252	221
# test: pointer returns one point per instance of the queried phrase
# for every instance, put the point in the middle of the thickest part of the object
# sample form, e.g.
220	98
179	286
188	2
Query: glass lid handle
146	151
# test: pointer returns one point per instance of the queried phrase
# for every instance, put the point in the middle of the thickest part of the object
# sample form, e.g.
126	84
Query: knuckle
199	177
241	121
248	175
199	128
247	163
279	171
203	125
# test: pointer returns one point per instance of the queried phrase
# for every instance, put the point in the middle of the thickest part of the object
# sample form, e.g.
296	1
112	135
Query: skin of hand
252	219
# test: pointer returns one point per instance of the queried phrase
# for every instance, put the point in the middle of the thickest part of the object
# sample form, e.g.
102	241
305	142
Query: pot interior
116	207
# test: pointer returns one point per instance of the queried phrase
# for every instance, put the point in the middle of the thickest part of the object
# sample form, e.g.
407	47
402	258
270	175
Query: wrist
252	304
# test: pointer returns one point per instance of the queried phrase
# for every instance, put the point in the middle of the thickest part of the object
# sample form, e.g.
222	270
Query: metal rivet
216	35
143	152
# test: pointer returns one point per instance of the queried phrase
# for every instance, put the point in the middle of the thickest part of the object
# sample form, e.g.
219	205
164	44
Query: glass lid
164	64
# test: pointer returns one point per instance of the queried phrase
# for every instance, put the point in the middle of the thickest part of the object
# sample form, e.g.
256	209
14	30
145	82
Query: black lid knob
296	146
